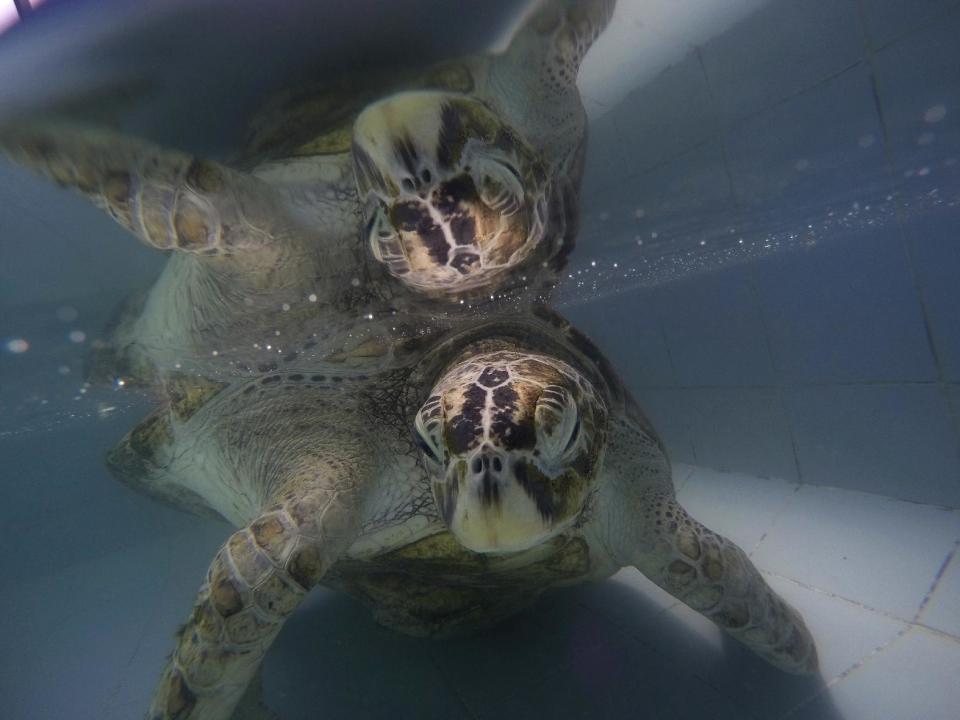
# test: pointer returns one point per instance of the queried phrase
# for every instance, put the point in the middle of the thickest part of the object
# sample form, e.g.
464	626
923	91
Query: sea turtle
495	460
361	196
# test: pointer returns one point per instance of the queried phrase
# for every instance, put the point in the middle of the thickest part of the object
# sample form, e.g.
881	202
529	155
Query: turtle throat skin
454	198
514	442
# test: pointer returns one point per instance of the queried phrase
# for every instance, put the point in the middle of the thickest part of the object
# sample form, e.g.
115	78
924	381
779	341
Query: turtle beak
486	506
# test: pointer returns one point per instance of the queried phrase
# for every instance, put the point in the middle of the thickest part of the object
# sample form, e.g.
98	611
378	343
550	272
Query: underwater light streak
12	11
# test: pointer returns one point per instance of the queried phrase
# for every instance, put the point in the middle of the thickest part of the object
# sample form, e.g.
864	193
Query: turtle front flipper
650	530
715	577
168	199
552	43
256	581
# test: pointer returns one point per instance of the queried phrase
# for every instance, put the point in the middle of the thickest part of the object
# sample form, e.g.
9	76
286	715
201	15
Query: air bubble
935	114
67	314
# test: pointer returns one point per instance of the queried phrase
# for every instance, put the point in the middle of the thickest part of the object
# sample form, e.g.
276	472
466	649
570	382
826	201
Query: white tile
614	685
697	199
628	600
780	50
741	429
332	655
880	552
613	215
669	411
606	164
188	556
105	609
683	639
688	640
805	157
936	258
943	609
613	679
918	90
822	304
714	330
893	440
845	633
631	340
915	677
682	472
84	240
889	19
663	118
740	507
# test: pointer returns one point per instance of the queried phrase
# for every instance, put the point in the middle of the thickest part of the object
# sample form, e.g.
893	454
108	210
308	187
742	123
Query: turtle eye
574	434
426	447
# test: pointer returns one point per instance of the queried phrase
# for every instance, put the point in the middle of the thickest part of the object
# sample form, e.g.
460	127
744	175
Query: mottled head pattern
515	441
454	198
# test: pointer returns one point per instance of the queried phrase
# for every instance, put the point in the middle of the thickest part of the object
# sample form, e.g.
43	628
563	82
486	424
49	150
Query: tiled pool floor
876	579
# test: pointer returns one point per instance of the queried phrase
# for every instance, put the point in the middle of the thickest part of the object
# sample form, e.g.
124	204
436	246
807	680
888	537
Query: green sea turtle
362	196
494	461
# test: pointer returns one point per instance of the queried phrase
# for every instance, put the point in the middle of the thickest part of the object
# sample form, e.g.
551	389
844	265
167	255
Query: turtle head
514	443
454	198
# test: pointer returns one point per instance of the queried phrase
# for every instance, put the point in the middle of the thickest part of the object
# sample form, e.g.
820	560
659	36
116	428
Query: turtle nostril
426	176
497	465
407	184
476	466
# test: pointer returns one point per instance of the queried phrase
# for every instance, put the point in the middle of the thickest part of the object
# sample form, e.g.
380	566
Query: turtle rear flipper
117	357
142	459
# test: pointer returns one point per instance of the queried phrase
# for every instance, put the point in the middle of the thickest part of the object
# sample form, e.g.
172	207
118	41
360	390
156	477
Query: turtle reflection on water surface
392	192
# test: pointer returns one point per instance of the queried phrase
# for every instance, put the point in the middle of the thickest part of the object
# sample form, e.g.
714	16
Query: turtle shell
316	119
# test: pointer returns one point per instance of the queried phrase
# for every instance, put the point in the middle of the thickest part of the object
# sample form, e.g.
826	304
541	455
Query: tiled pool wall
830	128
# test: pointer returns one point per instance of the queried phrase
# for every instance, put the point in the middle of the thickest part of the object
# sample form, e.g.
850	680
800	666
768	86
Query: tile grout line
787	98
920	27
719	132
834	596
787	503
780	385
451	686
846	673
638	638
688	430
901	213
947	508
908	624
936	582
